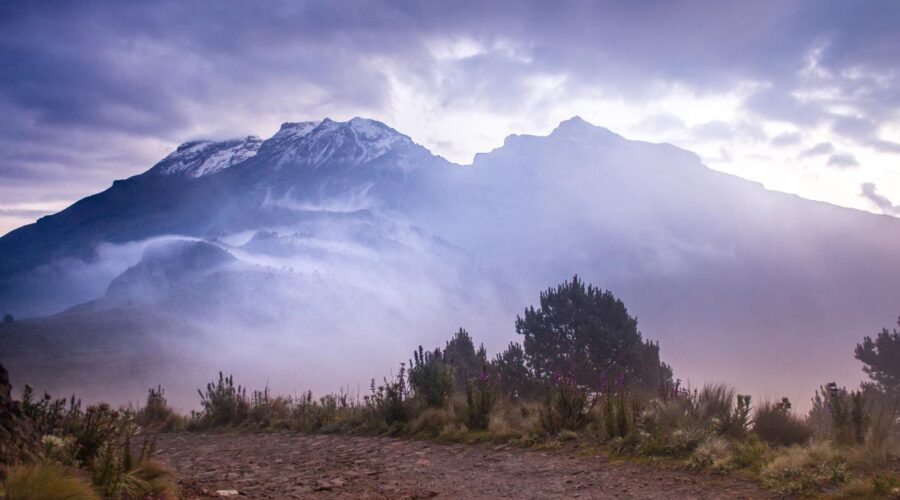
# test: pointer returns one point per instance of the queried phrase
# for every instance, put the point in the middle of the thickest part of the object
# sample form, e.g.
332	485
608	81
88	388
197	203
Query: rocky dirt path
298	466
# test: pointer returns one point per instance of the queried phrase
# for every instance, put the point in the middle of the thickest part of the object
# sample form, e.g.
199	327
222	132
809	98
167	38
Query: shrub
156	413
724	412
158	480
516	420
388	402
514	379
59	449
566	406
881	358
432	422
100	426
713	453
883	438
749	453
840	414
115	473
670	427
878	486
223	403
480	398
46	481
806	470
775	424
430	377
51	416
97	439
616	419
460	353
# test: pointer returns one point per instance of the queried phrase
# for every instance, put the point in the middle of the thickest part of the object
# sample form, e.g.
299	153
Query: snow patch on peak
354	142
294	130
200	158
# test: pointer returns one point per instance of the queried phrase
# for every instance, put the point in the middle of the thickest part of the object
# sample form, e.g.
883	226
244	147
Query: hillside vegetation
584	373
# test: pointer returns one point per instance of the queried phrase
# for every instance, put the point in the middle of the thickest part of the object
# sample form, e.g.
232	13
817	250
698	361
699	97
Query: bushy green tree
881	357
582	331
430	377
512	375
460	353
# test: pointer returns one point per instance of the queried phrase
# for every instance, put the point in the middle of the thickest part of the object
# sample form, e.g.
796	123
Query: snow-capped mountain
352	228
311	144
199	158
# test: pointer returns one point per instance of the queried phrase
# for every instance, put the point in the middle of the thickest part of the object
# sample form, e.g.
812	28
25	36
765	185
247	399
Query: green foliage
480	399
388	401
100	426
99	440
45	481
567	406
723	411
881	358
156	413
582	331
617	419
671	427
848	412
223	403
461	355
775	424
51	416
116	473
749	453
712	453
806	470
430	377
514	379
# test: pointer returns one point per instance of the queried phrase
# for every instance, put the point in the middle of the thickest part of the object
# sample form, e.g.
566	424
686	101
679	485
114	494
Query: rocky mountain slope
352	232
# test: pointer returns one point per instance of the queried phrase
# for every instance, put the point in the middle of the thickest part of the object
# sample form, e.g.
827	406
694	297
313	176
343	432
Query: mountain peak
579	126
294	130
200	158
356	141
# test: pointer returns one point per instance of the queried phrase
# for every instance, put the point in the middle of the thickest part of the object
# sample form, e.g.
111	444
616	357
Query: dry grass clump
156	479
806	469
775	424
46	481
515	421
713	453
431	422
156	413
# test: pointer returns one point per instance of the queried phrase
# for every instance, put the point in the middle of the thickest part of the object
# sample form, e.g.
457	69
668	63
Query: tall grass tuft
775	424
156	413
45	481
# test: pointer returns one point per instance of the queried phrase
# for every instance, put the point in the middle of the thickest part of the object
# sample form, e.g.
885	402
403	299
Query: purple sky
803	96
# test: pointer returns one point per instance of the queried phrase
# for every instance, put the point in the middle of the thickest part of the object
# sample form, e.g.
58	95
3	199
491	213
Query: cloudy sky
803	96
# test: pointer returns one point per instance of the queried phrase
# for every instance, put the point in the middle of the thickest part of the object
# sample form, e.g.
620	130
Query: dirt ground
299	466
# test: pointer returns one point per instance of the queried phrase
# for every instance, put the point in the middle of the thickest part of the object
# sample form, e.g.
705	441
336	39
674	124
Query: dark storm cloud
83	76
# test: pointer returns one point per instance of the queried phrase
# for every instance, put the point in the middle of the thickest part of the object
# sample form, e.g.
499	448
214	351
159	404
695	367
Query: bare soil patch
299	466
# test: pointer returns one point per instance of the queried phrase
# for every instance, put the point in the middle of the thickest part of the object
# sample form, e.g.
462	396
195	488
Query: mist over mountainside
337	247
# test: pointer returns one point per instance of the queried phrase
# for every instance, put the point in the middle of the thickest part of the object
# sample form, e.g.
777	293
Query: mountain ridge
339	234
